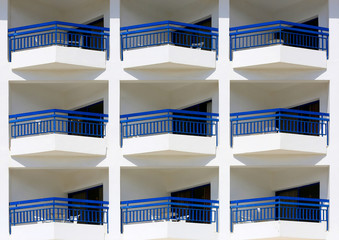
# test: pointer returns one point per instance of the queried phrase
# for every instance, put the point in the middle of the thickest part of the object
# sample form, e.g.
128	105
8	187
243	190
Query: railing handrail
24	116
278	198
278	110
168	22
57	199
169	111
168	199
275	23
59	23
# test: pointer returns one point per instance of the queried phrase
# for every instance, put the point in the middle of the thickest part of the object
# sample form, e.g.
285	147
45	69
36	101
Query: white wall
148	183
251	12
32	184
260	182
259	96
39	96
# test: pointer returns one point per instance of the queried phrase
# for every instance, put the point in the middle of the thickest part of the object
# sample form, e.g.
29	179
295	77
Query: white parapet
279	230
168	57
169	230
279	56
173	144
279	143
58	58
54	230
58	145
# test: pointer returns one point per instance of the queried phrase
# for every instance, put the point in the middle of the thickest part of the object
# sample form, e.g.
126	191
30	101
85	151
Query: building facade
193	119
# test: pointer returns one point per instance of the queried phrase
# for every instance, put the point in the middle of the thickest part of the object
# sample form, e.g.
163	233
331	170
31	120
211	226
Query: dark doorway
94	41
187	126
83	214
301	39
194	40
201	192
301	125
307	191
85	127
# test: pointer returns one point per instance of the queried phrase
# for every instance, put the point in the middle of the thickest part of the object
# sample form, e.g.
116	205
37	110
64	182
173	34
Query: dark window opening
194	40
85	127
300	39
83	214
187	126
293	212
87	40
301	125
201	192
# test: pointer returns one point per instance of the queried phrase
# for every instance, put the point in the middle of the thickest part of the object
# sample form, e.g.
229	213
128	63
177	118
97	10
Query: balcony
58	218
58	45
279	45
279	218
57	132
279	131
169	45
169	131
169	218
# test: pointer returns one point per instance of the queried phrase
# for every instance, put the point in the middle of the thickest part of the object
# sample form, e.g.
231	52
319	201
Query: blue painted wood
58	121
279	120
278	32
279	208
169	209
58	210
58	33
168	32
169	121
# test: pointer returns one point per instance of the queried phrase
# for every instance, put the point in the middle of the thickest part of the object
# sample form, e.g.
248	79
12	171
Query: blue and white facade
193	119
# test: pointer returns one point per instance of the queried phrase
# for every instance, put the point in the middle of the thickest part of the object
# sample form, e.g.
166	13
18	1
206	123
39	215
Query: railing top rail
168	199
258	25
56	199
278	198
57	111
168	22
168	111
57	23
278	110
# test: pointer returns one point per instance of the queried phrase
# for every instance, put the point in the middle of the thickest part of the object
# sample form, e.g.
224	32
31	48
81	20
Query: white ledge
58	58
279	57
173	144
279	230
169	230
168	57
279	143
58	145
54	230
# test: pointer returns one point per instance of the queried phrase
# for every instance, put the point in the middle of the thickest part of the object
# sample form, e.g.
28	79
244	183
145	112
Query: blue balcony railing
169	32
278	32
58	121
56	209
169	209
58	33
169	121
279	208
279	120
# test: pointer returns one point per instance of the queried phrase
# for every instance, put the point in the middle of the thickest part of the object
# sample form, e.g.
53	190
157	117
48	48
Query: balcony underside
58	58
168	57
279	230
169	230
279	57
169	144
58	145
279	144
54	230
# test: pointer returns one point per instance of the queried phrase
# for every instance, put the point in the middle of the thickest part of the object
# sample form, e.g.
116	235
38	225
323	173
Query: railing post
279	129
107	47
278	208
168	210
327	218
54	122
56	34
168	123
168	33
54	210
280	32
216	133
